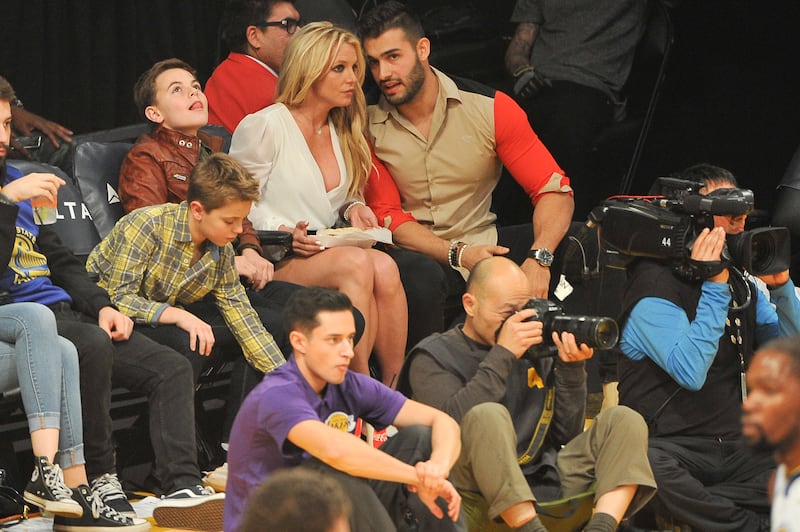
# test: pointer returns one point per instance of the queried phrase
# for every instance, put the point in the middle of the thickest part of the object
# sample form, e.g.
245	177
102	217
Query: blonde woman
311	158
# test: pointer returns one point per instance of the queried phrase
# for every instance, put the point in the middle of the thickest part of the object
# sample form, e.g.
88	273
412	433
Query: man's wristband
6	200
453	253
243	247
522	70
461	254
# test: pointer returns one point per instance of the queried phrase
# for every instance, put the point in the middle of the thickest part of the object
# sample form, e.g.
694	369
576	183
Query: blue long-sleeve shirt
685	350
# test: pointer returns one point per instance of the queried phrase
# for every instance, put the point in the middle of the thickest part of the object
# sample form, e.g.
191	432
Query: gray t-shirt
590	42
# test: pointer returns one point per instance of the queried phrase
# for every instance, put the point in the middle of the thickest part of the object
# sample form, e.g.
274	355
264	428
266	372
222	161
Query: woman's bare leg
349	270
392	314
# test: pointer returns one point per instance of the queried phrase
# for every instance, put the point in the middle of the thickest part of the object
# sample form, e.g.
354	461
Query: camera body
598	332
664	227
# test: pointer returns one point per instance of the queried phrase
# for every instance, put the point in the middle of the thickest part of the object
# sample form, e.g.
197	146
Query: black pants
268	304
143	366
379	506
568	117
711	484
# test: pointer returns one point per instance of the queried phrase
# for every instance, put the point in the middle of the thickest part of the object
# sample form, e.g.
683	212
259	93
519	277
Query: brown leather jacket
157	169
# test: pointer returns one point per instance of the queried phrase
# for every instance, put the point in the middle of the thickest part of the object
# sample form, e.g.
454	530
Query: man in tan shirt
444	142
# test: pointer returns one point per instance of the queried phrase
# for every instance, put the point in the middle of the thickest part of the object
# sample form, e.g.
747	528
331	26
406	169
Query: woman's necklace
317	130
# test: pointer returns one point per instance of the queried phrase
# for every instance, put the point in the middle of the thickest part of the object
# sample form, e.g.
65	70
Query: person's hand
303	244
431	475
25	122
776	279
517	335
362	217
568	349
117	325
474	254
538	278
201	337
33	186
529	82
256	269
708	248
446	492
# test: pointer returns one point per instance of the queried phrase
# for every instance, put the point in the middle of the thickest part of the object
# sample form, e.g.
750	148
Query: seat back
74	224
96	171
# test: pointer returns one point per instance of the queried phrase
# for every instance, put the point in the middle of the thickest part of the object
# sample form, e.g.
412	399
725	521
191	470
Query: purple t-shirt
259	444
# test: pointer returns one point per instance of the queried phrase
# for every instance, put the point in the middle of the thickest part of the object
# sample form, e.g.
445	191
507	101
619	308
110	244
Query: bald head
496	289
493	274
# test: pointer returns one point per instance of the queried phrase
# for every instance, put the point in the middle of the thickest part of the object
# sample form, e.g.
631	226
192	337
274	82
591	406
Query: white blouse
271	146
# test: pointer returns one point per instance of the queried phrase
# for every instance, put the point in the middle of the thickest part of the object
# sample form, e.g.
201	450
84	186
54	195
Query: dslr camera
598	332
664	227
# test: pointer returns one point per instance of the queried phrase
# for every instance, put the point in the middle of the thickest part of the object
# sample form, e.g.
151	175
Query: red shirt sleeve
521	151
382	196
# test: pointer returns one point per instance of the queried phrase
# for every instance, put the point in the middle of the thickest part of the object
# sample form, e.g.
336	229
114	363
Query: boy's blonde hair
144	91
308	56
220	179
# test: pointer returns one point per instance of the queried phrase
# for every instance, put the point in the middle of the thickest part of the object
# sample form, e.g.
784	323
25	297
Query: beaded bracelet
349	208
461	253
452	253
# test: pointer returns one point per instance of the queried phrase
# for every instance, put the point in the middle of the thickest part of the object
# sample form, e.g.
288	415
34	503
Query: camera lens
595	331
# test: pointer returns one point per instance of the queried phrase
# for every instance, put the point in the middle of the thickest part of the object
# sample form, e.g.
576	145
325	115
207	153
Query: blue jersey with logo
27	277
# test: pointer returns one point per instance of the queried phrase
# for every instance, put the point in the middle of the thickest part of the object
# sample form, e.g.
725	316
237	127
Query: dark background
730	97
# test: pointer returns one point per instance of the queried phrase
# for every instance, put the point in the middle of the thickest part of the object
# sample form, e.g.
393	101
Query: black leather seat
96	171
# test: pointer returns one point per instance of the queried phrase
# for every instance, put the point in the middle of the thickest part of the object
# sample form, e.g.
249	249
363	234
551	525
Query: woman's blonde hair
308	56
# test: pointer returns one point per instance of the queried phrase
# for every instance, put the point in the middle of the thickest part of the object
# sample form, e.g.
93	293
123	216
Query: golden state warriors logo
341	421
26	262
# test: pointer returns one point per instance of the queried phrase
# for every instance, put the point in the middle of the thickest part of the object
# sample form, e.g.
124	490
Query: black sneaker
97	517
195	508
110	491
48	491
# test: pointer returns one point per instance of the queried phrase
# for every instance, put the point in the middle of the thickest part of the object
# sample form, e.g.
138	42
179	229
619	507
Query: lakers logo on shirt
341	421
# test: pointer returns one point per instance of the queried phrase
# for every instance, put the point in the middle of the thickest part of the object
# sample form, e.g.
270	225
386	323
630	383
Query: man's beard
413	84
760	444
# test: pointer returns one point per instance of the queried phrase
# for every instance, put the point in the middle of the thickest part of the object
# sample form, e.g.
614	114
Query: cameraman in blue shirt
687	344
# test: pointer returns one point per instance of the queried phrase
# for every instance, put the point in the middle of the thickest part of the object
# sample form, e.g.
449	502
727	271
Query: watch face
542	256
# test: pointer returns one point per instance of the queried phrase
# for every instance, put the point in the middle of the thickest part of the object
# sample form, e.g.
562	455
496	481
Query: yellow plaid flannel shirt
145	266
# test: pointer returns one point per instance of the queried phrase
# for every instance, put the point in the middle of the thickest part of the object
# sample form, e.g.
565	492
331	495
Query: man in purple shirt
303	414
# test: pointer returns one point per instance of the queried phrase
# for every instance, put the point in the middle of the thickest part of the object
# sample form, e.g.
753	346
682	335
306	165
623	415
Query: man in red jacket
256	32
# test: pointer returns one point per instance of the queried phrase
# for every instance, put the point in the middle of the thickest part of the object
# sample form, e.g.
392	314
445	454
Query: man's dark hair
708	174
6	90
238	15
144	90
387	16
296	499
302	310
790	346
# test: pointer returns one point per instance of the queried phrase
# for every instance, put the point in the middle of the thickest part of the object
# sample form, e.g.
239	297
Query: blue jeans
45	367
